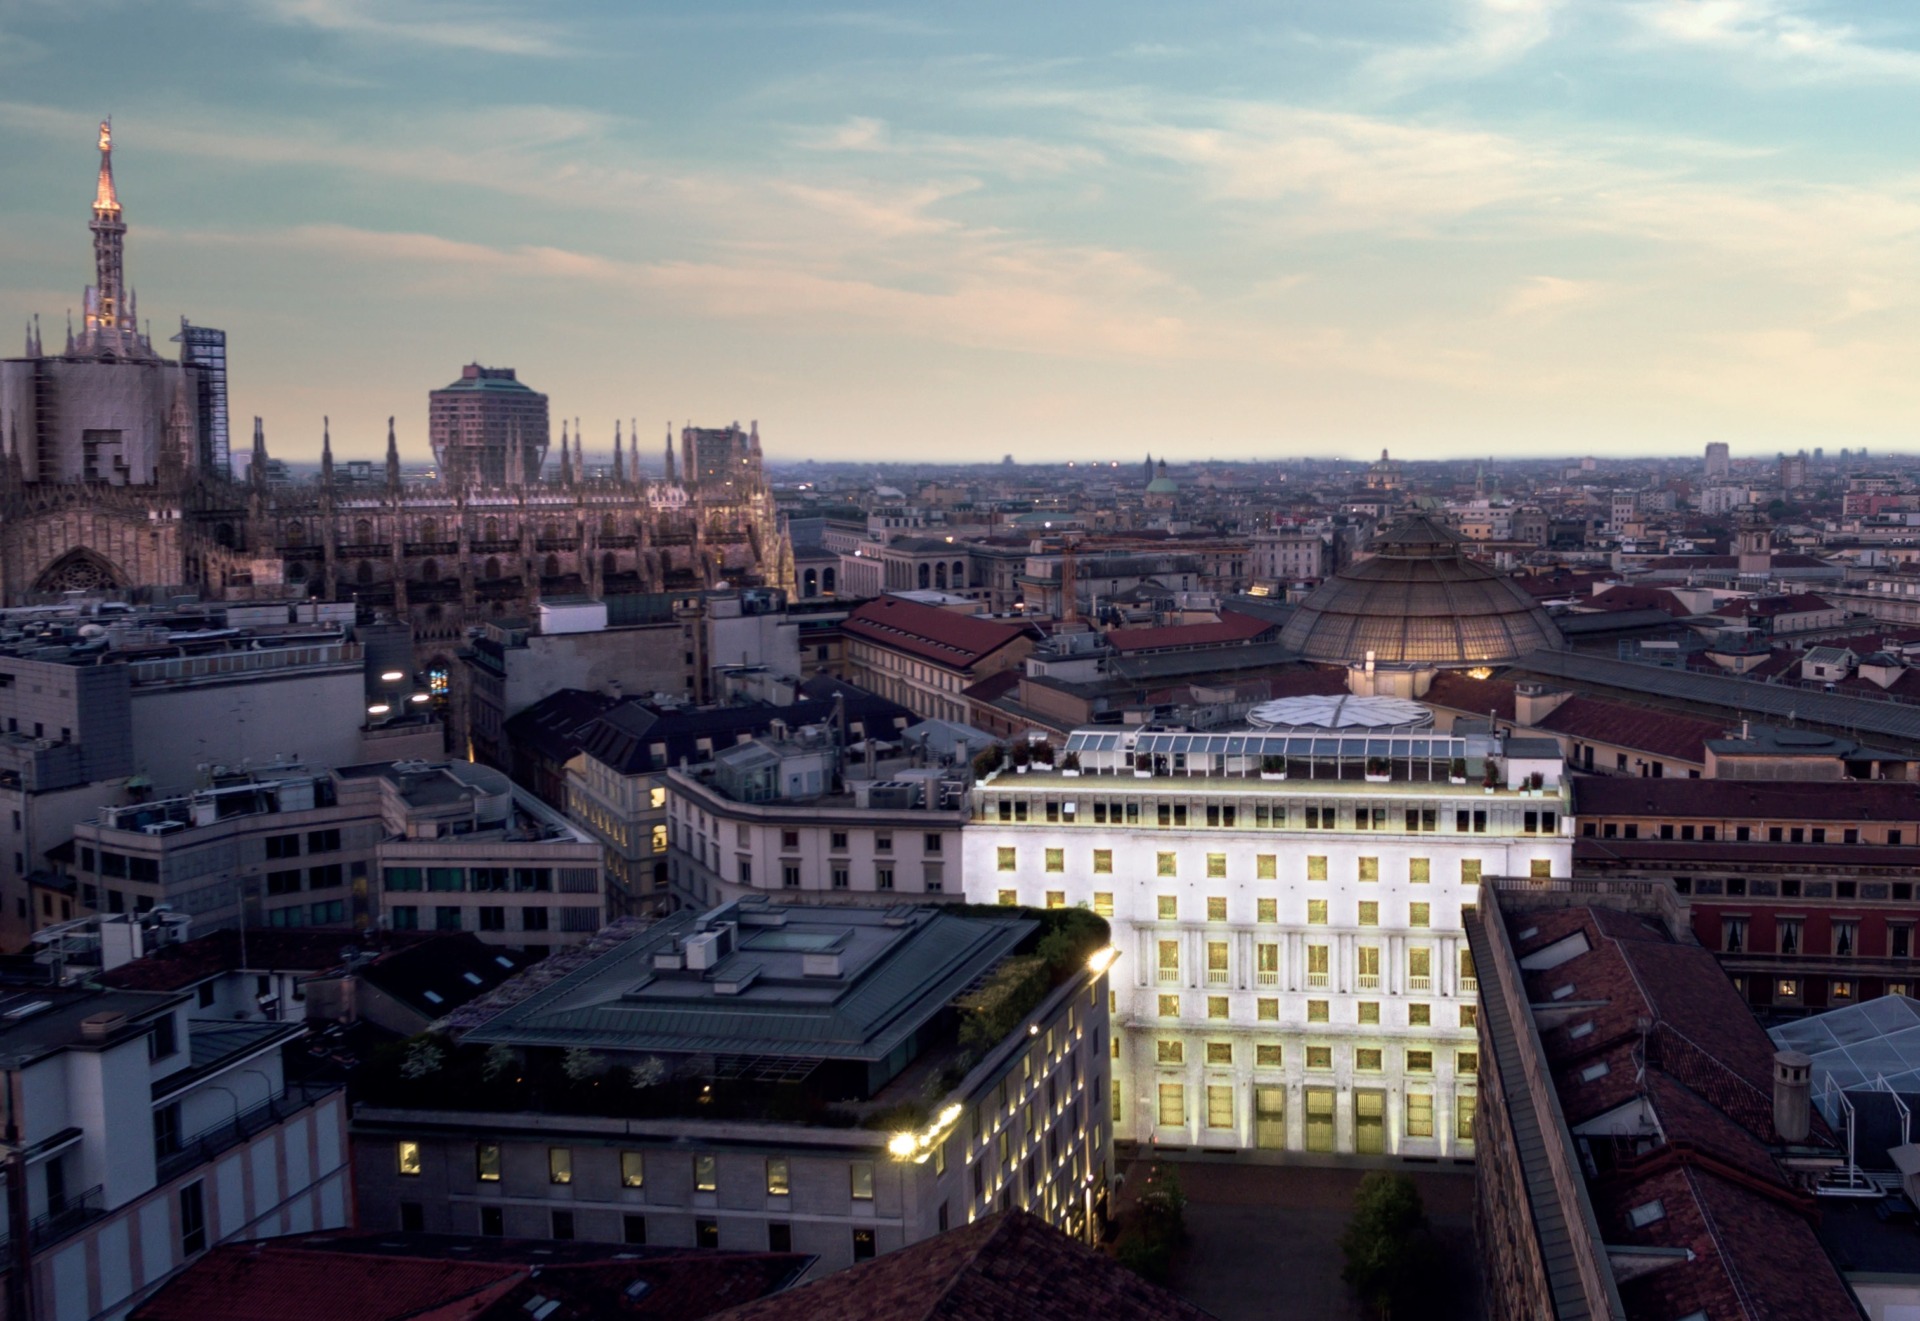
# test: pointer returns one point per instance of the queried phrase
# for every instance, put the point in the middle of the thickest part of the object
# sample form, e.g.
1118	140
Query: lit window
1267	1009
1169	955
778	1177
1369	869
1008	859
860	1180
633	1170
1216	865
1595	1072
1267	910
1219	1052
706	1174
407	1158
1216	1006
1216	908
1317	1011
1419	915
1369	913
1463	1106
659	841
1369	1011
1419	870
1420	1015
1009	898
1167	865
1056	860
1470	871
1367	1059
486	1161
1173	1104
1103	862
1466	1061
1267	866
1470	1016
1316	868
1056	899
1169	1006
1103	903
1316	912
1168	908
1419	1061
657	796
1219	1107
1419	1114
559	1164
1319	1057
1169	1052
1266	1056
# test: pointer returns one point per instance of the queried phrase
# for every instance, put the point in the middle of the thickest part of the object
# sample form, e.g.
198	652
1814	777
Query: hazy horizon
1507	228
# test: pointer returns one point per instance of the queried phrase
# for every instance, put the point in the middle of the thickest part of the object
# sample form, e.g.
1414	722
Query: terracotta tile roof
1661	733
1457	692
174	967
942	636
1649	1020
1637	597
1783	800
1767	607
1006	1267
1229	629
253	1282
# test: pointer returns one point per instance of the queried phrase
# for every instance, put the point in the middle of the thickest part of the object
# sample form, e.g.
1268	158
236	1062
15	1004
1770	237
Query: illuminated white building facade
1294	973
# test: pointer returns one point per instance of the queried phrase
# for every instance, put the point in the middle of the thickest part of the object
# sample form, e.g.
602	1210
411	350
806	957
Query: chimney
1533	702
1792	1095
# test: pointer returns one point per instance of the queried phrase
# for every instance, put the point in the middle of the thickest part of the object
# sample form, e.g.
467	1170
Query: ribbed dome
1419	600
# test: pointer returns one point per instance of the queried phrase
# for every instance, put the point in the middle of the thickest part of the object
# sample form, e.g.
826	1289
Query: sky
1056	230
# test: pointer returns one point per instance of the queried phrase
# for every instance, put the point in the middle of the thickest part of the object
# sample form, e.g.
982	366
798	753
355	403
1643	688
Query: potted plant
986	763
1536	781
1457	771
1070	764
1142	766
1491	780
1273	768
1022	755
1377	770
1043	756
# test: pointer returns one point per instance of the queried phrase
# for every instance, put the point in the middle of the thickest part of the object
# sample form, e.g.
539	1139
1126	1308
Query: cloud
1013	157
1776	34
494	30
1493	33
1546	294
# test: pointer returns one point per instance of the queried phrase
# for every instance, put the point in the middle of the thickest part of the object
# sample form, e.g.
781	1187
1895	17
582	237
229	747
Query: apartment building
760	1077
1288	902
449	846
923	657
788	817
616	783
150	1135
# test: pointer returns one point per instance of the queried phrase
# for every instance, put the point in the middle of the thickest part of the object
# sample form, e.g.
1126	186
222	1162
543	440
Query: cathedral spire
393	458
326	451
106	309
257	467
670	477
516	473
619	456
562	477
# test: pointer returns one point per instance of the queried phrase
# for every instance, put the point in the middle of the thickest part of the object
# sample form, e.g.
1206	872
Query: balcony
74	1213
1469	985
1416	982
1169	976
1218	977
208	1143
1266	979
1316	980
1367	981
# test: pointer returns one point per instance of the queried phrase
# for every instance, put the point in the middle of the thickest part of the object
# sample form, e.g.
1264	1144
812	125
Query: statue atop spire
110	328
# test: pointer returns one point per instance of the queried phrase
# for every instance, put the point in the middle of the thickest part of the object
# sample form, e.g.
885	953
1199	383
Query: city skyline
1509	228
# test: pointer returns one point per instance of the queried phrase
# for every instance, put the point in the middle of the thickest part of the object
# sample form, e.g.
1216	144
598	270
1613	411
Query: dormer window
1596	1071
1646	1213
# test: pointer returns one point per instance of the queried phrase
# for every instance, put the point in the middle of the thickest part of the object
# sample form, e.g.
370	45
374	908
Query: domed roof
1419	600
1162	486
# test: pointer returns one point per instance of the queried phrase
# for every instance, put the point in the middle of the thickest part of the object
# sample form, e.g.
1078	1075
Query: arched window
609	565
363	573
429	529
552	569
940	575
959	573
493	529
492	569
827	577
924	576
430	571
810	583
362	532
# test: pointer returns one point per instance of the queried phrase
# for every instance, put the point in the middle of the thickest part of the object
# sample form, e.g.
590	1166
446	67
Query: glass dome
1418	600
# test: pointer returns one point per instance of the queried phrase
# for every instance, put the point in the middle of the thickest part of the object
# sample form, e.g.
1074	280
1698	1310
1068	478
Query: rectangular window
1169	1051
1369	913
1369	1012
1219	1106
860	1180
1470	871
193	1218
559	1164
1216	908
1469	1015
1367	967
1267	964
1008	859
283	846
1367	1059
1169	957
706	1173
1369	869
1420	969
1266	1056
1216	1006
563	1225
1219	1052
1419	870
1216	866
1266	910
1169	1006
1103	903
1267	1009
486	1162
1173	1104
1056	860
1316	868
1466	1062
1167	907
1319	1057
1317	1011
1420	1015
1056	899
1463	1107
1318	963
778	1177
633	1170
1419	915
1266	866
1167	864
789	876
1419	1061
1419	1114
1217	963
1103	862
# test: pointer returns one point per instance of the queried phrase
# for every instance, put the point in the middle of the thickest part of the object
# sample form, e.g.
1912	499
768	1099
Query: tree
1391	1259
